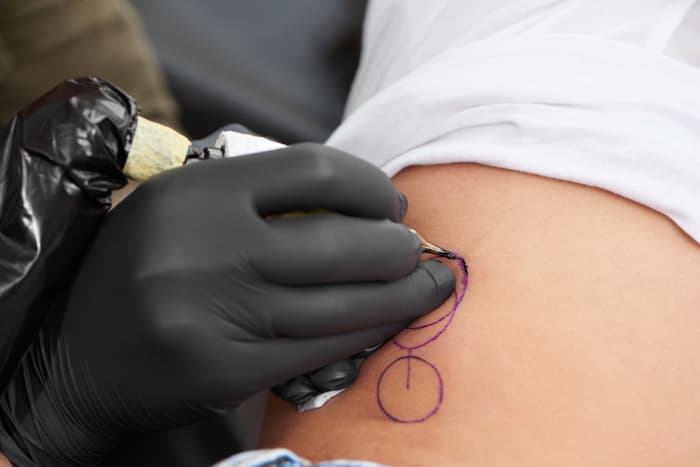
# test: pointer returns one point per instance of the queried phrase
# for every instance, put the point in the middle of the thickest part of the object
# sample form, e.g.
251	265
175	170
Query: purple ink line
431	339
458	297
432	412
408	372
427	325
434	322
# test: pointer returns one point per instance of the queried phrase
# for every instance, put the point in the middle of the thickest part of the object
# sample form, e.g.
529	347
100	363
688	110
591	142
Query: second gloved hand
195	295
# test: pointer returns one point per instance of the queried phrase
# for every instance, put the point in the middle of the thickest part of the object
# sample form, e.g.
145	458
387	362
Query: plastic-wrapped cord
60	157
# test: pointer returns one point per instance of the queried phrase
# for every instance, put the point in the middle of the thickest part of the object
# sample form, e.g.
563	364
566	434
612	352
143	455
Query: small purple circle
432	412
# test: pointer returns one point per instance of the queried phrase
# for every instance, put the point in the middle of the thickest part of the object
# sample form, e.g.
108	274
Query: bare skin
119	195
578	342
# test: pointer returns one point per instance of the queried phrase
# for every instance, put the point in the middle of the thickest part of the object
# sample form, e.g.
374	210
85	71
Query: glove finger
279	359
323	310
337	375
311	176
296	390
331	248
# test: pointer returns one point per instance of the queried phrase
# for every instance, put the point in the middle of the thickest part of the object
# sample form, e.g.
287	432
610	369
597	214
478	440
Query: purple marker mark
458	296
432	411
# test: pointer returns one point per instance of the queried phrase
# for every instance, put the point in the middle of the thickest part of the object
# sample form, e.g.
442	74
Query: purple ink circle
432	412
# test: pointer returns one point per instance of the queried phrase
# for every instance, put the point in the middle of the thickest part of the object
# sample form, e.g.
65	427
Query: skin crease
577	343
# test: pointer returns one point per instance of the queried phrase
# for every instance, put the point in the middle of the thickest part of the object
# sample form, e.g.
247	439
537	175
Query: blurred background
282	69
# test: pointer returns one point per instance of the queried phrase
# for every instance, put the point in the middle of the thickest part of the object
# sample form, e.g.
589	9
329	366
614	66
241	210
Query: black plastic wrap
60	157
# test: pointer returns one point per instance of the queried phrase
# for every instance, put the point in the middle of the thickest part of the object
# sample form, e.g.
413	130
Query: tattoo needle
431	248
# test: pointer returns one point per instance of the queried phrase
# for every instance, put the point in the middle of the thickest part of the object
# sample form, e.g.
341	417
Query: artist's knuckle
309	153
318	162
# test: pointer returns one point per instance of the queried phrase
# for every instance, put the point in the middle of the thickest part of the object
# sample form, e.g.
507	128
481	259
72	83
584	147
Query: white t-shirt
600	92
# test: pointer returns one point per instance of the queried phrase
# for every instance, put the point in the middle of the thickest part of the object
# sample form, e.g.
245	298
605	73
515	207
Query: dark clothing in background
281	68
43	42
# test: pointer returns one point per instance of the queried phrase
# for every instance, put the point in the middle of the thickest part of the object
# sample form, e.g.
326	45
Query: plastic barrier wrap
60	157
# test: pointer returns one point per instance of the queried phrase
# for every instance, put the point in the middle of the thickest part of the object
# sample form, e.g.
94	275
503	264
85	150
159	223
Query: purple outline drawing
458	296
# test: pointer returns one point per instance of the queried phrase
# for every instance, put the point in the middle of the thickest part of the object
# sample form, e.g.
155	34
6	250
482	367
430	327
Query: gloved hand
337	375
192	298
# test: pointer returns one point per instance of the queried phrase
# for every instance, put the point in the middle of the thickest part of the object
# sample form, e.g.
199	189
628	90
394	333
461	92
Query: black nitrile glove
337	375
192	298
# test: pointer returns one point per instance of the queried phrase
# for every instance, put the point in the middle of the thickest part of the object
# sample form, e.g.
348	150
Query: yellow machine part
155	148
